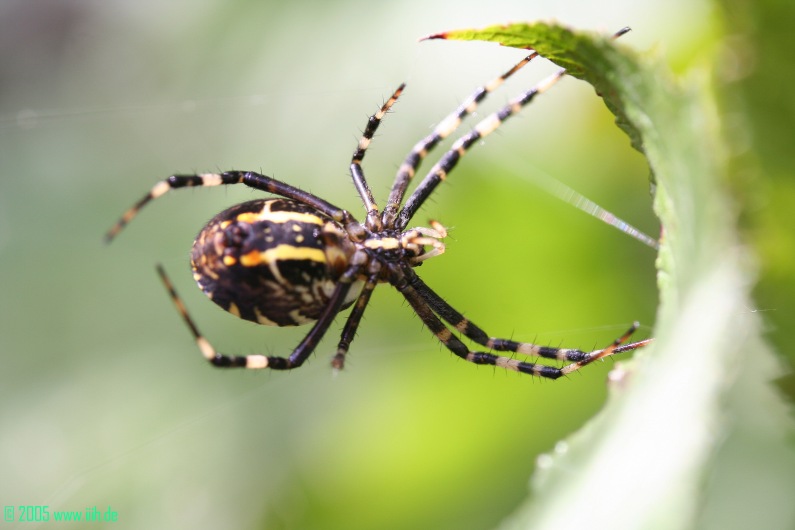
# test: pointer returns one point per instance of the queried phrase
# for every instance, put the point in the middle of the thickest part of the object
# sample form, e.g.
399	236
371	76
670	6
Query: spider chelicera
298	259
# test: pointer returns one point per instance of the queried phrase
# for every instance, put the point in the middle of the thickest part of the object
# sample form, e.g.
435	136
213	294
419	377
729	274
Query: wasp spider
298	259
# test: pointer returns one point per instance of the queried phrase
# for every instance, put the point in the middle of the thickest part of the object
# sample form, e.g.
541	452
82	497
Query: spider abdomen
271	261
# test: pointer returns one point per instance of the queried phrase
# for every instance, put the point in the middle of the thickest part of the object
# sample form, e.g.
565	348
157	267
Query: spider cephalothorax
298	259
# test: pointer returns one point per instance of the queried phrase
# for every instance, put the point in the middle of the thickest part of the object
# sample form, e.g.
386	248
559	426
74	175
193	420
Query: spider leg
258	362
454	344
250	179
446	127
460	147
373	216
476	334
426	313
352	324
449	160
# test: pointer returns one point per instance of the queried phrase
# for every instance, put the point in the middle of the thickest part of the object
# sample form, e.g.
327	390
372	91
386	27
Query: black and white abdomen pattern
271	261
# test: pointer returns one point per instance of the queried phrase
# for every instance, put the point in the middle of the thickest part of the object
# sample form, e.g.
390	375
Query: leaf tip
622	31
433	36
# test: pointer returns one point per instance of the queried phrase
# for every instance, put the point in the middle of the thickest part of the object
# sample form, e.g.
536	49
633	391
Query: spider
298	259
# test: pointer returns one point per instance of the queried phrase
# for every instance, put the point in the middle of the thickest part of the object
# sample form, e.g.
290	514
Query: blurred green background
105	400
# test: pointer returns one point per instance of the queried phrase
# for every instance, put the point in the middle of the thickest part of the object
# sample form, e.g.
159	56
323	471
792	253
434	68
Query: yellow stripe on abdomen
282	252
279	217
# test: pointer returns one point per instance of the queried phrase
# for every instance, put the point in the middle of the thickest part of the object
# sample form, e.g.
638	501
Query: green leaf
590	57
693	430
